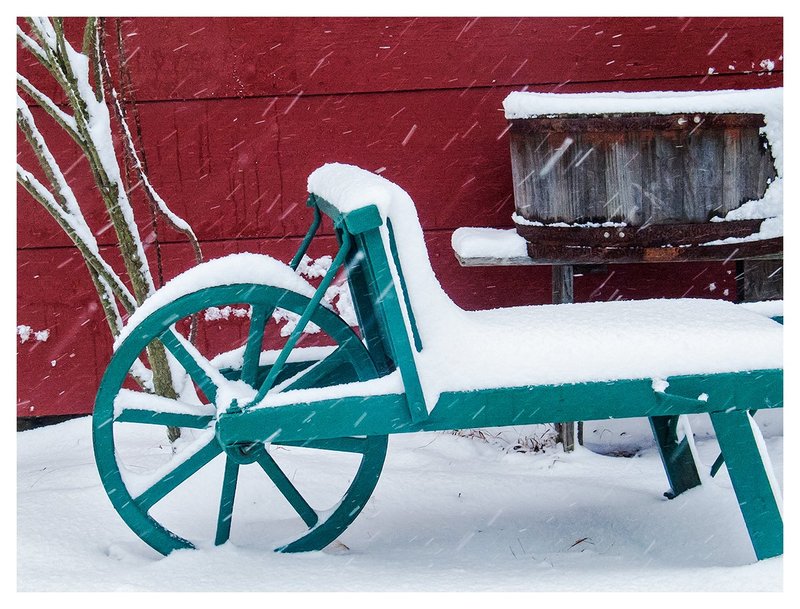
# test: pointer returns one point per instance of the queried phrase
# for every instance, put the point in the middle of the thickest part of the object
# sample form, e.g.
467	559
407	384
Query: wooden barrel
660	178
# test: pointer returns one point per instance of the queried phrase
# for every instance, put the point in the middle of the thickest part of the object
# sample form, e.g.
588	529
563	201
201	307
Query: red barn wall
236	112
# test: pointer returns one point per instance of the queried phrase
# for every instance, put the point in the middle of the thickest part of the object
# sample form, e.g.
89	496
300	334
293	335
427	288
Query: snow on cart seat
550	344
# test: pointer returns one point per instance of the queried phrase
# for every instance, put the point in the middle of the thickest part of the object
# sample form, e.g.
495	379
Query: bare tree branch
84	78
33	46
66	121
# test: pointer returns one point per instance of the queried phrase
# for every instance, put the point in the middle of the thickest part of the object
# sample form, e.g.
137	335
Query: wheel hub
245	453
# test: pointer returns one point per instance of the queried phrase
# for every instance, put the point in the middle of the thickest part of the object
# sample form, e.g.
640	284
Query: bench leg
750	474
676	456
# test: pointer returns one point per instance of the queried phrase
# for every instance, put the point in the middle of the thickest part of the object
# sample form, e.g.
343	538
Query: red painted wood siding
236	113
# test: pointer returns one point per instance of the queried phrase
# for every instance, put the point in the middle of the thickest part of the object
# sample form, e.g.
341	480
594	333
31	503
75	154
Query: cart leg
563	292
565	432
749	473
676	456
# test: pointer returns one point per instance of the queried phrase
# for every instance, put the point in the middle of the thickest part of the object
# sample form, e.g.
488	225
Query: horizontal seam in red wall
434	89
232	239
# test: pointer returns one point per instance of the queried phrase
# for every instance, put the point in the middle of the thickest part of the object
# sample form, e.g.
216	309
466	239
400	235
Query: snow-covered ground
449	513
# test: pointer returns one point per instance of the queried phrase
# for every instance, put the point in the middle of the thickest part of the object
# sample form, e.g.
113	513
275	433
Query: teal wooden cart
399	371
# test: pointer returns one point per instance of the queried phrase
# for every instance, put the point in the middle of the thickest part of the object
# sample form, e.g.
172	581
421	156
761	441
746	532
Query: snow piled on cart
549	344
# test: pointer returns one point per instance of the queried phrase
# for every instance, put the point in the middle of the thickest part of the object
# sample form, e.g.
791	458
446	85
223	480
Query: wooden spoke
335	368
172	480
226	501
258	320
198	367
150	409
287	489
167	419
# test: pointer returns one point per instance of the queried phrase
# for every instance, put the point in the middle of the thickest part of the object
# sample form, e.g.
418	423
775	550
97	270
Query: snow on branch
66	121
64	194
173	219
33	46
80	234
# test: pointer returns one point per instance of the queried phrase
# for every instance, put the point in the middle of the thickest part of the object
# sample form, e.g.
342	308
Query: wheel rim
144	481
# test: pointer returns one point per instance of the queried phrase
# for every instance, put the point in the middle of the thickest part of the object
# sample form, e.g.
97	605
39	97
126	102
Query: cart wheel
182	494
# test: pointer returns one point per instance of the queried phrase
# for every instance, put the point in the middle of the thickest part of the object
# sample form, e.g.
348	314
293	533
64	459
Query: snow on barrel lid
768	102
348	187
525	104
